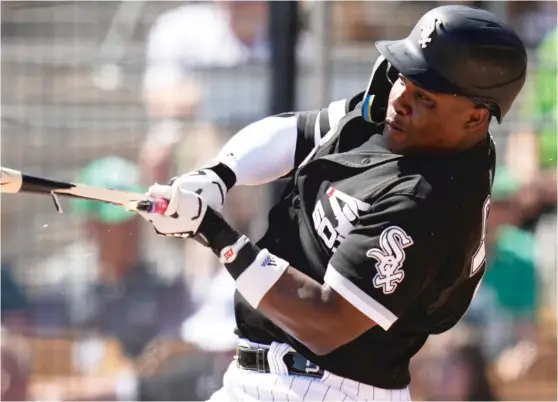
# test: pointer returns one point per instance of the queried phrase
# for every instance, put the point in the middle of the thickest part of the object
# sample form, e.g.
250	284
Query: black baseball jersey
400	237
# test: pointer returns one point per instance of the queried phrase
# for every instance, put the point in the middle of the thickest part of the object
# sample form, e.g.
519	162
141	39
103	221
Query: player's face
422	121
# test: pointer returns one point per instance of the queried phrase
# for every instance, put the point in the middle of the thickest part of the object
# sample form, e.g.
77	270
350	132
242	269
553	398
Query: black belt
256	360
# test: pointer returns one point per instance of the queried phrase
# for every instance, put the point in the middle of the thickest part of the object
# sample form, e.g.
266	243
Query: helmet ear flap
375	99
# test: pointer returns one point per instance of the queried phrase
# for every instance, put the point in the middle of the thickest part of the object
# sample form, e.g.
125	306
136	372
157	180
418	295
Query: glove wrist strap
225	173
233	249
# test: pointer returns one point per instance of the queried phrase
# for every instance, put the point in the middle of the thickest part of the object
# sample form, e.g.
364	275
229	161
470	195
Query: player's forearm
304	308
308	311
263	151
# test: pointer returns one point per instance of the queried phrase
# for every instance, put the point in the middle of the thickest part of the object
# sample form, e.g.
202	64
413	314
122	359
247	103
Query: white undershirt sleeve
262	151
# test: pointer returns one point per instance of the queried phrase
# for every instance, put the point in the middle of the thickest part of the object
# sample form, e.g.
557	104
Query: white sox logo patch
390	257
346	213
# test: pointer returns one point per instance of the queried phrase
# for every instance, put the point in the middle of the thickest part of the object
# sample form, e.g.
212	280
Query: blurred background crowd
122	94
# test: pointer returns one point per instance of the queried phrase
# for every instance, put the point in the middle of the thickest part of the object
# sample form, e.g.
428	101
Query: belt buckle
312	368
261	360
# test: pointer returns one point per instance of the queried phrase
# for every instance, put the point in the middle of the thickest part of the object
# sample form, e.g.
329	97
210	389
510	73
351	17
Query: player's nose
401	98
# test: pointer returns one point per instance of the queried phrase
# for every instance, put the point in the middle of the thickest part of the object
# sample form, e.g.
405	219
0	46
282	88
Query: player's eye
424	99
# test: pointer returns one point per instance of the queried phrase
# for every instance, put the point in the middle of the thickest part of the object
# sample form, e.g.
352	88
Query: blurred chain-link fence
74	91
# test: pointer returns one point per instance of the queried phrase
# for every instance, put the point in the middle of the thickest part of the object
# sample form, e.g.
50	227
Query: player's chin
397	139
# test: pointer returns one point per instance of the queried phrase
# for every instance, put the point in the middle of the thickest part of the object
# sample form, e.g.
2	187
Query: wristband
225	173
255	271
260	276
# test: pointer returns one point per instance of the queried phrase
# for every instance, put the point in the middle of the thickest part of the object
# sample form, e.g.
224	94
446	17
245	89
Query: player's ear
479	117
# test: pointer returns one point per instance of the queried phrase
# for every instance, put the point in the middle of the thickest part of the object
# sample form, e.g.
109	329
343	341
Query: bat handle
158	206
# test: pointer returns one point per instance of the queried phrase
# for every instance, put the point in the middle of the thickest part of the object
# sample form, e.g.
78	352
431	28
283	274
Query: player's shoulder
451	199
418	200
320	121
466	175
450	188
433	186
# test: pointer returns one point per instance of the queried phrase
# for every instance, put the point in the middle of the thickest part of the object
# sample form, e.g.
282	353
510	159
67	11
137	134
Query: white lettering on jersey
390	257
346	212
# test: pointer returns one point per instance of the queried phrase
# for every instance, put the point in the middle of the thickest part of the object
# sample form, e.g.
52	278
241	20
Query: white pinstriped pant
245	385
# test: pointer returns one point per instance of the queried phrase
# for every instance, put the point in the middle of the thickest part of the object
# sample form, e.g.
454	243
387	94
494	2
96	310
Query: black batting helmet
464	51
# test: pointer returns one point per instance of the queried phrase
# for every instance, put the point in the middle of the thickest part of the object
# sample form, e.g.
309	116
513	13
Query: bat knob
11	180
153	206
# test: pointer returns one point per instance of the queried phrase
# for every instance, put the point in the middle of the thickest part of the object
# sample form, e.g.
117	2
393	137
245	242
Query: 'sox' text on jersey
390	257
334	222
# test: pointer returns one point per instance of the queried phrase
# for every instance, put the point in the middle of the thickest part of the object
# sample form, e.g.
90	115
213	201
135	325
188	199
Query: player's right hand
183	213
205	183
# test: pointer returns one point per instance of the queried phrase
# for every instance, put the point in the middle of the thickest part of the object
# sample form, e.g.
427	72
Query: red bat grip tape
158	206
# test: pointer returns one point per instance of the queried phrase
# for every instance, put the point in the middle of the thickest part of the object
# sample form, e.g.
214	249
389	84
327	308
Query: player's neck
472	141
454	150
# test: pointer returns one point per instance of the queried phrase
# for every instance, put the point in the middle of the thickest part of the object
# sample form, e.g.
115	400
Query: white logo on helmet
426	33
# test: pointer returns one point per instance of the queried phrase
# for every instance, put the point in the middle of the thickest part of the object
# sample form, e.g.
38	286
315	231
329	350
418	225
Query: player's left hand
183	215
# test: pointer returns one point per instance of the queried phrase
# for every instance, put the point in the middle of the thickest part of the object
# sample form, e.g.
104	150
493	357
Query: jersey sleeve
314	125
385	262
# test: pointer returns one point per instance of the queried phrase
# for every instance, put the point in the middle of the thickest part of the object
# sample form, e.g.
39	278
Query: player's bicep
383	264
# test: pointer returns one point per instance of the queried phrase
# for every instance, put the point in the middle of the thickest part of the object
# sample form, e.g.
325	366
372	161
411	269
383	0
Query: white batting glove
184	213
206	183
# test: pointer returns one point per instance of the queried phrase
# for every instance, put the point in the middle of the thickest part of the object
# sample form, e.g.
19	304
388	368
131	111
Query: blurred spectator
536	206
535	147
533	19
510	275
183	41
191	369
15	305
504	311
15	360
532	155
457	372
15	356
101	285
543	188
544	104
502	316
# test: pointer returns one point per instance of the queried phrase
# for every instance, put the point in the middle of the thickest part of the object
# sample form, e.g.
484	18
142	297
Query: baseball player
378	241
